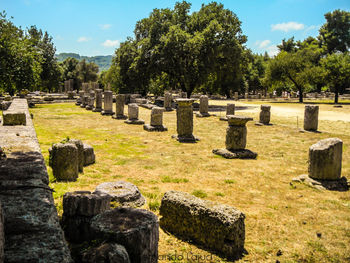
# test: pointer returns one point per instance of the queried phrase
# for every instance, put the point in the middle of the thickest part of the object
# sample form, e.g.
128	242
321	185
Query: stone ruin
203	107
16	113
119	110
156	121
68	158
236	139
98	103
311	117
230	110
68	86
80	98
108	103
325	163
236	95
91	100
184	120
30	226
264	116
217	227
99	234
133	115
168	98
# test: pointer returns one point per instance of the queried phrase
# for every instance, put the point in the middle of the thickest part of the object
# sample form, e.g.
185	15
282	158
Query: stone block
14	118
135	229
311	117
107	252
80	146
89	155
214	226
325	159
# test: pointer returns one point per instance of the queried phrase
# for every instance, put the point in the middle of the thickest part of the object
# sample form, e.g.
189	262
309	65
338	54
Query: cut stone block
203	107
80	146
156	121
125	193
14	118
265	114
64	161
325	159
89	155
107	252
215	226
311	118
135	229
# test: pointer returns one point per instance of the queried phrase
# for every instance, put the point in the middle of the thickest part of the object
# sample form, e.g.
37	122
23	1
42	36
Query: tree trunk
300	94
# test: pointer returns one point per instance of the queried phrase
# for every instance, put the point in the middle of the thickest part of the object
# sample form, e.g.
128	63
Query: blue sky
97	27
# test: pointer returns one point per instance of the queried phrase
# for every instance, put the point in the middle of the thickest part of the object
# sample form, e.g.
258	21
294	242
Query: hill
103	62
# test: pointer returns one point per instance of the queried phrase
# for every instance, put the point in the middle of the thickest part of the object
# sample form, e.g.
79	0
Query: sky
92	28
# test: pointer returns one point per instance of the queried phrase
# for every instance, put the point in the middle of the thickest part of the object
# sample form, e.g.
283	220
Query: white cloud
110	43
263	44
105	26
287	26
83	39
272	50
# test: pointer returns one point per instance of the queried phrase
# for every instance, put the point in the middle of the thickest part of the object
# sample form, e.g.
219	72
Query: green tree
337	72
335	33
86	72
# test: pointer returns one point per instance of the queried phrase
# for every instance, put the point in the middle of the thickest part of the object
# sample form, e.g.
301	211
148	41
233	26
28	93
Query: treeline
205	52
103	62
27	61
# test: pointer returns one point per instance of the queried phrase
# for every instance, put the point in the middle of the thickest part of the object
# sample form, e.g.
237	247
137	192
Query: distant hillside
103	62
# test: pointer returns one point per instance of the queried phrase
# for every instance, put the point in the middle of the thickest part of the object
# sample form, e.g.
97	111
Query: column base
135	121
120	117
168	109
82	106
202	115
88	107
97	109
235	154
342	184
186	139
223	119
159	128
107	113
78	103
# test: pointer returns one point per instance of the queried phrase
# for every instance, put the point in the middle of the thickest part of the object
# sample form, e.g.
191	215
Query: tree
337	72
86	72
335	33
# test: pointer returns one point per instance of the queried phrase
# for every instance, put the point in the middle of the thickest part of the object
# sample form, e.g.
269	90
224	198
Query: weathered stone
32	230
325	159
230	110
5	105
133	112
98	98
78	209
106	253
135	229
215	226
70	95
125	193
168	101
2	235
203	107
236	95
12	117
64	161
156	120
80	98
89	155
84	101
108	103
236	154
265	114
184	118
311	118
119	112
80	146
91	100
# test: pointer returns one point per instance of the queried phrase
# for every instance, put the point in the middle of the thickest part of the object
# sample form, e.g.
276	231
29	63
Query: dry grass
278	216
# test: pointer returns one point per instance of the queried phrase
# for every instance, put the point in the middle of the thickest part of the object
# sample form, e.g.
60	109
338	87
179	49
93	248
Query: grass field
282	220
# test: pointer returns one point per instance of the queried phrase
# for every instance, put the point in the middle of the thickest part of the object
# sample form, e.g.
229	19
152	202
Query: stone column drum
98	98
133	112
203	106
91	100
156	120
230	110
236	95
236	139
167	101
184	116
80	98
325	159
265	114
108	103
119	110
311	118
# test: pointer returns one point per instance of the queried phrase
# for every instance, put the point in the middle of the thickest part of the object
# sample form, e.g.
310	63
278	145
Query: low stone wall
217	227
15	114
32	230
